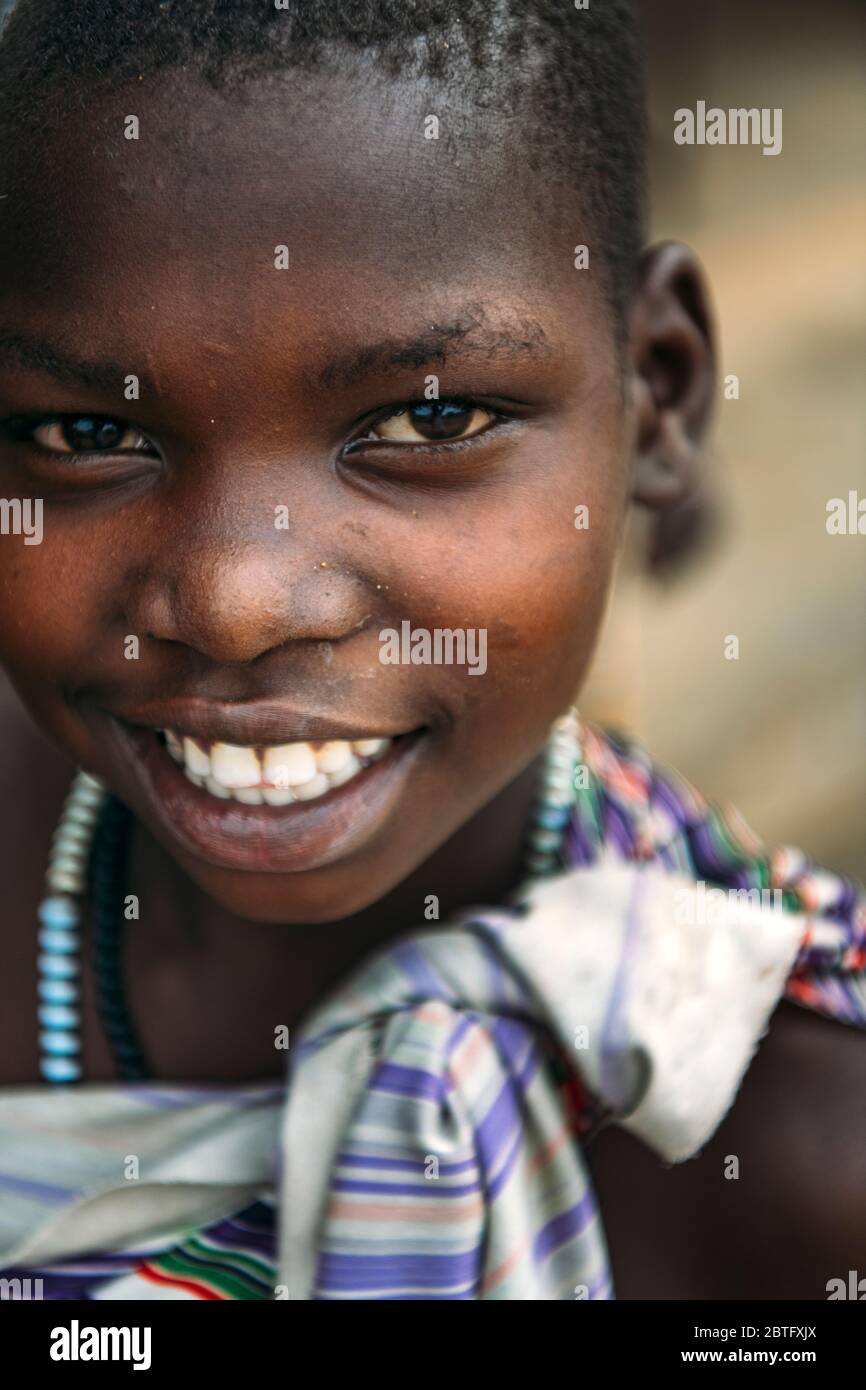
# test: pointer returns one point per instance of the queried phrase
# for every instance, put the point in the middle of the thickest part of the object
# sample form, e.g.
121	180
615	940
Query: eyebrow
34	354
438	343
465	336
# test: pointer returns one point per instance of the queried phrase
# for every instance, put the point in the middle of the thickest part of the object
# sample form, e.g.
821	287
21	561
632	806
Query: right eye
433	422
85	434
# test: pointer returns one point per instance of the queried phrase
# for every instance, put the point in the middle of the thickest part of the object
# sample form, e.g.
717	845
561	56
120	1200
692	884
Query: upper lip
258	722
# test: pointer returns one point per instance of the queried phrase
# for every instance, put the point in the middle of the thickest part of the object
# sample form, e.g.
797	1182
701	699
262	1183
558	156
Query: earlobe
673	374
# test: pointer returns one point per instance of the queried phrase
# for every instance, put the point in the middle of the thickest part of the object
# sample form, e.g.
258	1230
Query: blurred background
781	731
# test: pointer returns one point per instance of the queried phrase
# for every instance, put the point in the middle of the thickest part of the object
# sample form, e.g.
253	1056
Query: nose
234	602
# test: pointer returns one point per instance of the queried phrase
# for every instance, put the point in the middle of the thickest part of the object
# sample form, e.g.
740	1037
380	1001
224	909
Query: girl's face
220	346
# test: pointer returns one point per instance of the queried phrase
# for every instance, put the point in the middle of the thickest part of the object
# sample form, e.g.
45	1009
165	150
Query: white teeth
216	788
370	747
276	796
349	768
235	767
174	745
333	757
285	772
289	764
317	786
196	759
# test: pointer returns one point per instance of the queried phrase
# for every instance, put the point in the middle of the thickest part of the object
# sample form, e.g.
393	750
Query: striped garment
427	1143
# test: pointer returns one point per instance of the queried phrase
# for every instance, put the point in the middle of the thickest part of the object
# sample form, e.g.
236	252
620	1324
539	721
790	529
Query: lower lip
268	839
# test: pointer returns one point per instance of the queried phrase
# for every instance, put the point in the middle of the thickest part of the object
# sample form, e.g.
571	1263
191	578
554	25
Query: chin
299	899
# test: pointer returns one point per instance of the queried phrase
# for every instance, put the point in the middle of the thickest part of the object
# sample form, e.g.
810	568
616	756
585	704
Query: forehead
390	198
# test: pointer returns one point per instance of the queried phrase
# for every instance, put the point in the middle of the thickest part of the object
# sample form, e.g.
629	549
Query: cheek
529	563
48	601
50	621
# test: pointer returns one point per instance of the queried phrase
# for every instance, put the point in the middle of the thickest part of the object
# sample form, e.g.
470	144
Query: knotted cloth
427	1151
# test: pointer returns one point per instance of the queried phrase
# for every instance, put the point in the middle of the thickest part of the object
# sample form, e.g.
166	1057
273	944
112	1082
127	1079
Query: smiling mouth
274	775
271	807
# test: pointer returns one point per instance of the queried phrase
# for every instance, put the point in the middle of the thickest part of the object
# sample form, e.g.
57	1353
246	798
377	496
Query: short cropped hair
572	75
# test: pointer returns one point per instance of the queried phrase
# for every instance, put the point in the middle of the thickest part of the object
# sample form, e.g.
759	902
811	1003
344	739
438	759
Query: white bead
73	833
64	882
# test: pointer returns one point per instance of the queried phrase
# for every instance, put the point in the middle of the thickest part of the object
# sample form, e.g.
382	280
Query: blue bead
58	967
63	943
58	1016
553	817
57	991
58	912
59	1044
60	1069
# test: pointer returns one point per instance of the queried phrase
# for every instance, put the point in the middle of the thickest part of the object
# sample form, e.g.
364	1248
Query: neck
193	961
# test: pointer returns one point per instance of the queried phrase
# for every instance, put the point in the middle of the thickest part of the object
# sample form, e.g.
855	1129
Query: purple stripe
410	958
465	1023
349	1272
230	1237
564	1227
395	1079
50	1192
580	850
665	795
499	1135
413	1297
618	830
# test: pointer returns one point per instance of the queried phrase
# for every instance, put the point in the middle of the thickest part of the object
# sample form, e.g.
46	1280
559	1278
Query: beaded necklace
87	862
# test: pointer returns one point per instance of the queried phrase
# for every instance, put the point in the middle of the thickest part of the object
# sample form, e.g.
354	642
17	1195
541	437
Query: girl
338	975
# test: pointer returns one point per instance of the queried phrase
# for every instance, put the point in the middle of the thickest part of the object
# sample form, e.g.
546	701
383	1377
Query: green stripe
254	1264
221	1277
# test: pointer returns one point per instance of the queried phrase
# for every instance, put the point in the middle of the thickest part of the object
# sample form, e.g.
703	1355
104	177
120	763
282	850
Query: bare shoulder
775	1205
806	1095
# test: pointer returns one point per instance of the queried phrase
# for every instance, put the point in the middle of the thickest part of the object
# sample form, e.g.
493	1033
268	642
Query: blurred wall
782	730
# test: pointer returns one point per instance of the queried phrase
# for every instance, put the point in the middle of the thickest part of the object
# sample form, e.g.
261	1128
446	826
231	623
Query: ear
672	356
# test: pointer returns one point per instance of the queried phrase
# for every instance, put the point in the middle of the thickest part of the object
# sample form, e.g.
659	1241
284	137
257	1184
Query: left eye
432	422
89	434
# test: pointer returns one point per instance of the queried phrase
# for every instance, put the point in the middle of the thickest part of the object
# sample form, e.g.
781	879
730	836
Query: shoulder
774	1206
800	1125
634	809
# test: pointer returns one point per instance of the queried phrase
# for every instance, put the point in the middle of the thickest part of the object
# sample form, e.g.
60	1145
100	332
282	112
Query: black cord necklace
108	860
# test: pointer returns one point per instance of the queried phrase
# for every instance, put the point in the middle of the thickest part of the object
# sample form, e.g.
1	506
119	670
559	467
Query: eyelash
22	428
498	416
